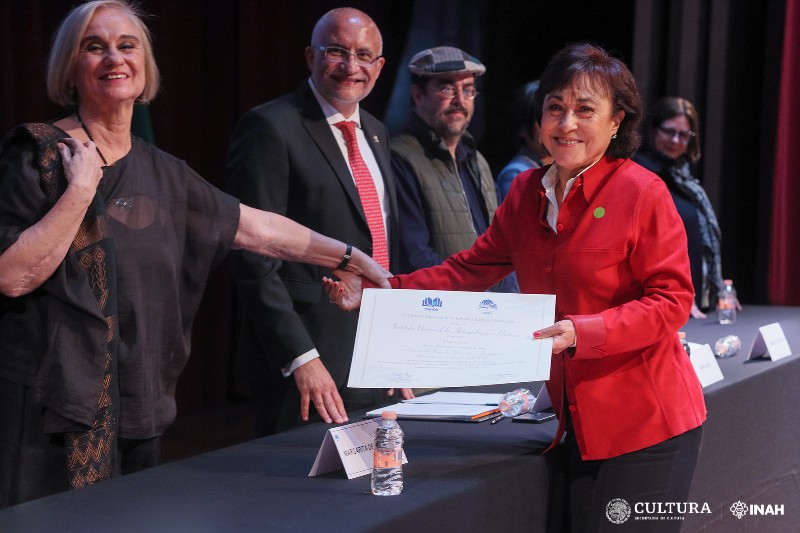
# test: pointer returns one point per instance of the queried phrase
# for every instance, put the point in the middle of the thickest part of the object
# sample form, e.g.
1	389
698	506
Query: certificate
430	338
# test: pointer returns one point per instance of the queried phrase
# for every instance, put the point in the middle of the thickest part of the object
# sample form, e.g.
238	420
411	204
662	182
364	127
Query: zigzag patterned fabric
91	454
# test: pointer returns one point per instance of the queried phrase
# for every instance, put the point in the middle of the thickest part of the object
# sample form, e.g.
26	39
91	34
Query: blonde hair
64	53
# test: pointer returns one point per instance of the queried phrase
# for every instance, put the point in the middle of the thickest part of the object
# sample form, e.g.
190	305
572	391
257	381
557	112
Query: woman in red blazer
602	234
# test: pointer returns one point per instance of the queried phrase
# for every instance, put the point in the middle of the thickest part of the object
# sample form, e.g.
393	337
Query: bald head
341	40
346	17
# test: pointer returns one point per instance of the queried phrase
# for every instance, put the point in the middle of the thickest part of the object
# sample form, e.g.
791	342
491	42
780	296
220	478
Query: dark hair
607	74
524	111
420	81
671	107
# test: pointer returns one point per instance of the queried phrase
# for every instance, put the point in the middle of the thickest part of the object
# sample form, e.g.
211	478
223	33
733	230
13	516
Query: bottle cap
389	415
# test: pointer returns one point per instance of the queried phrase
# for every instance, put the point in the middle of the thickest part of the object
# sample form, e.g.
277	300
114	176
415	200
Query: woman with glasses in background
671	149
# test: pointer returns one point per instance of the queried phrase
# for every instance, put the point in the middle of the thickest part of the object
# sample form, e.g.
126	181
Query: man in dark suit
289	156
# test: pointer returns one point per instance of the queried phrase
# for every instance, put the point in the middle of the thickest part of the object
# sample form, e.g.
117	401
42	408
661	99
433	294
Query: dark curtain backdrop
220	57
725	57
785	237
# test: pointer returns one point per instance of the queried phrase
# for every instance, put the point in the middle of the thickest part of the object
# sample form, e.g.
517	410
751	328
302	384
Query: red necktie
367	193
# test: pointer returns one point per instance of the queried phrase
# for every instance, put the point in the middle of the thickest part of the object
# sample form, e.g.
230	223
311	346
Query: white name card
770	343
705	364
349	447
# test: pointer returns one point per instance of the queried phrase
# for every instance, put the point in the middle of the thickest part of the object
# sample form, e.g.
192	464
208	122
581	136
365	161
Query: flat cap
444	60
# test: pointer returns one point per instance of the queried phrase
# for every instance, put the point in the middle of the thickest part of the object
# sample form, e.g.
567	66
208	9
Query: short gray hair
64	53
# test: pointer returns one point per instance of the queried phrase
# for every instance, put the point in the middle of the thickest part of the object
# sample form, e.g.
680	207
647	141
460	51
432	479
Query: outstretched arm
274	235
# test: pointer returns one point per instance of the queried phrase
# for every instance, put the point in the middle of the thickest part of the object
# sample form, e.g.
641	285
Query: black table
751	441
460	477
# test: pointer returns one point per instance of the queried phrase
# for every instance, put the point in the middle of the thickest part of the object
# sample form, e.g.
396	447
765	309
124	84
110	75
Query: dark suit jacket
283	158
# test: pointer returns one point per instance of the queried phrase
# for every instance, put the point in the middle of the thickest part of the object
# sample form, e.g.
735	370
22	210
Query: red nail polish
536	334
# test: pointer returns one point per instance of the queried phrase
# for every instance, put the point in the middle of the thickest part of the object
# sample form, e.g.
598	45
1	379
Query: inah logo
618	511
739	509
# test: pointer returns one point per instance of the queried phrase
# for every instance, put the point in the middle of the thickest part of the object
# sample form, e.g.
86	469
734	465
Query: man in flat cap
445	191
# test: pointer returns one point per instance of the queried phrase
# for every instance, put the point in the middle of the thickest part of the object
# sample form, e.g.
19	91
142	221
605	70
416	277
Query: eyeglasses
448	92
683	136
337	54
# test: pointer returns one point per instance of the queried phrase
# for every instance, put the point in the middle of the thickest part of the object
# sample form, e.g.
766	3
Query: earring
614	136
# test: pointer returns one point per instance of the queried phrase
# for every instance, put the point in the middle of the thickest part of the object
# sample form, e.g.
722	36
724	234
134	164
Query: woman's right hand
562	332
82	165
346	292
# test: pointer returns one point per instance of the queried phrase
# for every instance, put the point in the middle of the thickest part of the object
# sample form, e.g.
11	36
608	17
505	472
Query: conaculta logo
740	509
618	511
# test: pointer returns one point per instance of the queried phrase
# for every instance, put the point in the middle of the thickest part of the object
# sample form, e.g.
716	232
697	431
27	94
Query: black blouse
169	229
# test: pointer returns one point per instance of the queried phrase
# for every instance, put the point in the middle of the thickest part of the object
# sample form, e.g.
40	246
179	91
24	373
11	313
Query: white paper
705	364
425	338
770	342
349	447
466	398
441	411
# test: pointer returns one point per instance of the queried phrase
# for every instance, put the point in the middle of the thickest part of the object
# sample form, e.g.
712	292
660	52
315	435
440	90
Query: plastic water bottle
684	342
726	306
516	402
387	456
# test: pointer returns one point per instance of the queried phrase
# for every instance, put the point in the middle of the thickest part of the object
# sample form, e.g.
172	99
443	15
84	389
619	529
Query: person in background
446	193
602	234
106	243
672	147
531	152
294	156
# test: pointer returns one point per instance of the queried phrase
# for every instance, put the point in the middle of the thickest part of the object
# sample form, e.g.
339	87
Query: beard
453	128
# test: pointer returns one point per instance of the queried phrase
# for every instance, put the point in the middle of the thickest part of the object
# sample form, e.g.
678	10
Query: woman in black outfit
672	147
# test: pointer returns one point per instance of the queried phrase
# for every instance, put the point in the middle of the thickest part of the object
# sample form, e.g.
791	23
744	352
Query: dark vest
451	228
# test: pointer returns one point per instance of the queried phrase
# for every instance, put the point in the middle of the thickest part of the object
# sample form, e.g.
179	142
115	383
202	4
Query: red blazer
620	271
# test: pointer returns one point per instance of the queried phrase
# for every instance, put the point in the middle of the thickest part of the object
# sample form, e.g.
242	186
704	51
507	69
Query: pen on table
497	419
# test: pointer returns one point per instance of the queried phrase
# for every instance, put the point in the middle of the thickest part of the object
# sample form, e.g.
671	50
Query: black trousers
33	464
660	473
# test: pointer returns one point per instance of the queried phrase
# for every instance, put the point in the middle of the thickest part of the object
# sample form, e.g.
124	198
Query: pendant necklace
86	131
